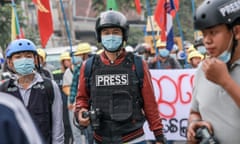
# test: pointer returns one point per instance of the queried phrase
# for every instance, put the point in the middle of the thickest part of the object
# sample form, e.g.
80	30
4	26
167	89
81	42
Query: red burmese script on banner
172	89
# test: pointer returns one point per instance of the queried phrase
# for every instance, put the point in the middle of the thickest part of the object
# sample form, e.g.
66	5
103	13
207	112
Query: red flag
161	11
21	33
45	23
138	6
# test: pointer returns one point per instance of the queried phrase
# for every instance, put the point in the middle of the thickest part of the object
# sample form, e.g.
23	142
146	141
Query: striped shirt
74	85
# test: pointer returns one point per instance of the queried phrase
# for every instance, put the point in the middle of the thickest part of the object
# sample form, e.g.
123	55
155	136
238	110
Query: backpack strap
139	69
88	70
4	85
50	93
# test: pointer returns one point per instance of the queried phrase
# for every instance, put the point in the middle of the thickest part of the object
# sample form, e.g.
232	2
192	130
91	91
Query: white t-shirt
67	77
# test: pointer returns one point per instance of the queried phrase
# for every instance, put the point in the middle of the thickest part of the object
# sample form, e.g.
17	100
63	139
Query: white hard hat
129	48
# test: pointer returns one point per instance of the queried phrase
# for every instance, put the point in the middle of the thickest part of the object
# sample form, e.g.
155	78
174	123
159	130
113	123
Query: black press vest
39	107
115	91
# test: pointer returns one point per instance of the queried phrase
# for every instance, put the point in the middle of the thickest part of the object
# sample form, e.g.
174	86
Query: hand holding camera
204	136
193	126
94	116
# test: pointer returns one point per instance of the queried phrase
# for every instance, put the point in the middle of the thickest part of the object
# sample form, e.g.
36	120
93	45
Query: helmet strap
38	66
232	46
9	68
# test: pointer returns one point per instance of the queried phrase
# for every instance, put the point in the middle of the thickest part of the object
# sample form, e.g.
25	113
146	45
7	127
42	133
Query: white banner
173	92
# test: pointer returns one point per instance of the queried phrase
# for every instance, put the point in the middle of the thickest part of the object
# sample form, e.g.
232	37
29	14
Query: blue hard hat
20	45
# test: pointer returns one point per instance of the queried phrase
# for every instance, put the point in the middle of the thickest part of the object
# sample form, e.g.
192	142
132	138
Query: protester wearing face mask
164	61
216	95
113	89
70	85
144	51
32	89
198	44
65	61
195	58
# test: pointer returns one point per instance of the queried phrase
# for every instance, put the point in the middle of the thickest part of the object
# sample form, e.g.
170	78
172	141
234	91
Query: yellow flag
13	26
15	29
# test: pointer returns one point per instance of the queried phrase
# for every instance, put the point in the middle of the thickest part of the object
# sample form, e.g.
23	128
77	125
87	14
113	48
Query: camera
94	116
204	136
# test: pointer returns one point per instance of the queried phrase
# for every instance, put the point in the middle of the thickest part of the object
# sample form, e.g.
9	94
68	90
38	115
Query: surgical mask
111	42
24	66
202	49
225	56
77	59
164	53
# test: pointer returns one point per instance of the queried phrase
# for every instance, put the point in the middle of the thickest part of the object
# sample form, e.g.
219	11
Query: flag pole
153	34
181	33
151	23
67	30
193	11
193	7
16	16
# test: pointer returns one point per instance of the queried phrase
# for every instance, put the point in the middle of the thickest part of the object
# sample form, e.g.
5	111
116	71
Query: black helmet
215	12
110	19
198	42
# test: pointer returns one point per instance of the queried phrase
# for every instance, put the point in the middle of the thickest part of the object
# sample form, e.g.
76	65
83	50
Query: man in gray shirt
216	95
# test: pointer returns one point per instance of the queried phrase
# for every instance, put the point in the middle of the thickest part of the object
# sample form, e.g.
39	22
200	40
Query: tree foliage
5	24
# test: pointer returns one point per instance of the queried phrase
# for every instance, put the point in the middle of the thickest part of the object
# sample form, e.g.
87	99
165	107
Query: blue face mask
164	53
24	66
77	59
225	56
111	42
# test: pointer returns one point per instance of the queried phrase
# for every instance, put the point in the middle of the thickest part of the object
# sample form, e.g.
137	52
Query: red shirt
150	106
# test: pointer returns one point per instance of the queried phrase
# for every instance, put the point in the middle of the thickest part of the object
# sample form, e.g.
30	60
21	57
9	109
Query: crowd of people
106	96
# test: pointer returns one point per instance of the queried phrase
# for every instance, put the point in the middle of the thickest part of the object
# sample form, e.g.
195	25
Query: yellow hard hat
194	54
83	48
190	49
65	56
160	43
99	51
41	53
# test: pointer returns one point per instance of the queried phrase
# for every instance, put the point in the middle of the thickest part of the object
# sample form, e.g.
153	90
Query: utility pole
71	23
61	24
68	8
